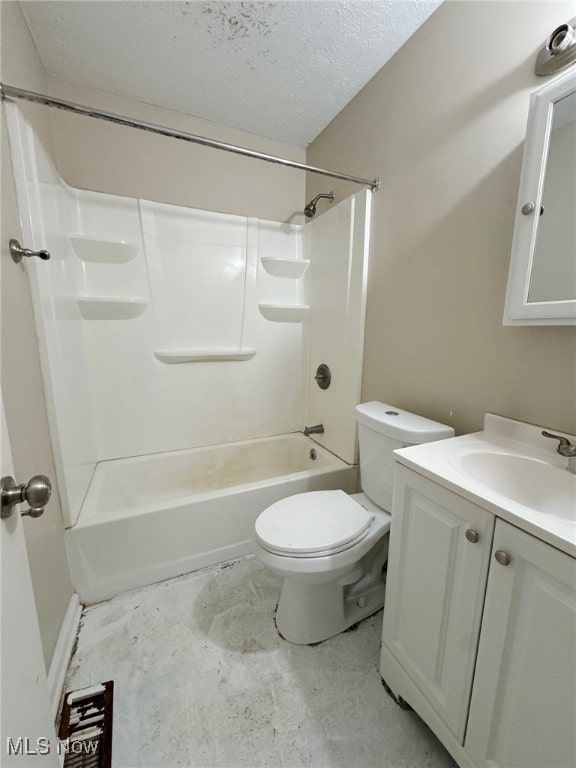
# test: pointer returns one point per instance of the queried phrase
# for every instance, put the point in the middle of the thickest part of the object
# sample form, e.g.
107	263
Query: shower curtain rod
10	92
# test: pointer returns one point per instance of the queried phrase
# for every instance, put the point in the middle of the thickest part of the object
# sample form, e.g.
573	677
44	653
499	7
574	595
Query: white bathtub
153	517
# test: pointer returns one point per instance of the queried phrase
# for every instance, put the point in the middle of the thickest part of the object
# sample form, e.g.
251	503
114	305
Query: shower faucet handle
323	376
18	252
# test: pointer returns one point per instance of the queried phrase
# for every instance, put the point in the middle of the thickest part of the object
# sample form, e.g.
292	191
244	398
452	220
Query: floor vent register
86	727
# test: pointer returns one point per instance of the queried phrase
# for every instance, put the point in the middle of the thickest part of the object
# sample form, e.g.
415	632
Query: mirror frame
518	310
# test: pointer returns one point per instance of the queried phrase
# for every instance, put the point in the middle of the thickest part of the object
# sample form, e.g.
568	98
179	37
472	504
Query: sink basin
528	481
512	471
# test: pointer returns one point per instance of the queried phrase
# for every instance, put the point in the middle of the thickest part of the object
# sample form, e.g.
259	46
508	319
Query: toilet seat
313	524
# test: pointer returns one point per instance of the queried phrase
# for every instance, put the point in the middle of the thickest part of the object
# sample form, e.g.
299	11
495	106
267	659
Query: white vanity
479	633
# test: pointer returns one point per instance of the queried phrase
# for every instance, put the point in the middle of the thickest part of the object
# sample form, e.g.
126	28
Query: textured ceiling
277	69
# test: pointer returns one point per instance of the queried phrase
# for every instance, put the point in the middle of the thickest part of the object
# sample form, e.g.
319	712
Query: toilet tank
381	429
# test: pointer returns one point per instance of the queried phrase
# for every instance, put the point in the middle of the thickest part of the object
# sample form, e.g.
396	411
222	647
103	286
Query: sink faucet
316	430
565	448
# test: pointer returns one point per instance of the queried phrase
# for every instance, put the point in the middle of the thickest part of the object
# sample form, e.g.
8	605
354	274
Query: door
439	555
523	706
27	734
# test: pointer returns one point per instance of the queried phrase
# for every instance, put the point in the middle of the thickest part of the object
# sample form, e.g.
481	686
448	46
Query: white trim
63	651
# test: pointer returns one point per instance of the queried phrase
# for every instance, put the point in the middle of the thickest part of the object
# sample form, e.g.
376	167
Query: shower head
310	209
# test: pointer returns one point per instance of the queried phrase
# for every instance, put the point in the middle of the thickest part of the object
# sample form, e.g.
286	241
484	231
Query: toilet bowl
330	547
332	572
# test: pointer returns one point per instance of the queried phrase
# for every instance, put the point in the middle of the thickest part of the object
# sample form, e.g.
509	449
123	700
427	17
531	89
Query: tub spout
318	429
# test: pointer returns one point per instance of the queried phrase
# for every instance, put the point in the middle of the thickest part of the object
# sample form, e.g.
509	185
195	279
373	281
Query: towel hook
17	252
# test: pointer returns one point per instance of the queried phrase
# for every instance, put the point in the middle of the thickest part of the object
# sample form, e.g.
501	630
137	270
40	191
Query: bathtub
150	518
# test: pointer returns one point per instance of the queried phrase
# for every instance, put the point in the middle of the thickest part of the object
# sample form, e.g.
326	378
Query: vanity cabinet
523	710
479	632
435	591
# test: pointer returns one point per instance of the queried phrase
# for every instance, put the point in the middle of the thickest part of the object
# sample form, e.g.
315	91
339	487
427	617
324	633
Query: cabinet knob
502	557
472	536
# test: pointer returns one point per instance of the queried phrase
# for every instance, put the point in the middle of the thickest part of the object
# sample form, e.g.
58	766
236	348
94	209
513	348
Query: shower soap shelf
94	249
279	267
111	307
203	355
283	313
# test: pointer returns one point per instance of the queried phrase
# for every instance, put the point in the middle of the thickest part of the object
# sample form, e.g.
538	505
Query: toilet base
309	612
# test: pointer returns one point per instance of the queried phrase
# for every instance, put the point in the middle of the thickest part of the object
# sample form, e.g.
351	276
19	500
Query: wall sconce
559	50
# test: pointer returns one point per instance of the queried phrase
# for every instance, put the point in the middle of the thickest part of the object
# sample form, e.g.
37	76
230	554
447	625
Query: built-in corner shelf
97	249
111	307
283	313
279	267
203	355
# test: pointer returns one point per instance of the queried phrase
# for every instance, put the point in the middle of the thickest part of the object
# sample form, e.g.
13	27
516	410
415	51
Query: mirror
553	274
542	278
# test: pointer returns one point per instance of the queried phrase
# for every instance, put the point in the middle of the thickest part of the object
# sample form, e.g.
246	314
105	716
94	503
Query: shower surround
165	329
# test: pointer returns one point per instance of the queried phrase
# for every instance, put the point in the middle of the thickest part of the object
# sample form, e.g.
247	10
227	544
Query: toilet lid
312	523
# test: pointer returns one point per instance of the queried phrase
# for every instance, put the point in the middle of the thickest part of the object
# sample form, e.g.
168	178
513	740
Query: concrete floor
202	679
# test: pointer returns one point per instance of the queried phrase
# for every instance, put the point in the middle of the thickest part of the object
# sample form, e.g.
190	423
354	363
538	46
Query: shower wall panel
338	242
203	271
197	263
48	210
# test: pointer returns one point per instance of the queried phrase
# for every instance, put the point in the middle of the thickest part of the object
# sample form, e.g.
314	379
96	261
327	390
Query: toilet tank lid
401	425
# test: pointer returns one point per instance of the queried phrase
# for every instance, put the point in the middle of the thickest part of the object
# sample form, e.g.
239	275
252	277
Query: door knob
472	536
36	492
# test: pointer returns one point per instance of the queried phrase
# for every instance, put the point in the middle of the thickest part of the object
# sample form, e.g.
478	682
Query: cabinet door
523	710
435	591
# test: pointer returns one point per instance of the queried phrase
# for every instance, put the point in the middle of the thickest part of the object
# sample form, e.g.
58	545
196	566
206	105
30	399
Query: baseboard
63	652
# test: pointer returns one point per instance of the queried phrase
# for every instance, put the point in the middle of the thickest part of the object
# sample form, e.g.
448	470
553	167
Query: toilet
330	547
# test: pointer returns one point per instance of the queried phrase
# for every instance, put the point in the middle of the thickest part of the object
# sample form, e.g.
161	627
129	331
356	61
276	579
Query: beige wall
442	125
21	377
124	161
